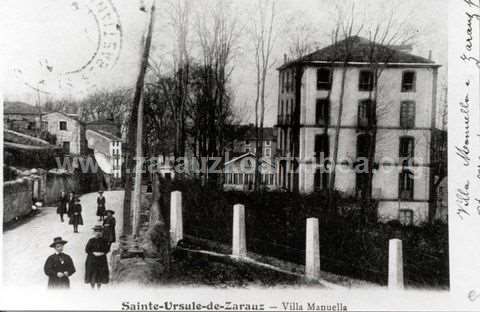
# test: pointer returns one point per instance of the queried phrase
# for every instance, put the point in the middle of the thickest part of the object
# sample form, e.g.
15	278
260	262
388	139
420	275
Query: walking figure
75	214
109	227
62	205
100	206
59	266
70	202
96	266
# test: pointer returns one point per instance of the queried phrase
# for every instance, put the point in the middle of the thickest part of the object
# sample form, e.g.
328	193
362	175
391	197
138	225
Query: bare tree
263	34
217	34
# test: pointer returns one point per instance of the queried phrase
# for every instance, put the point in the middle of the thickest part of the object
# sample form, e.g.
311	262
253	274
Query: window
283	82
322	146
235	178
407	114
408	81
267	143
63	125
406	216
366	80
287	86
324	79
406	147
406	185
66	147
361	184
364	117
240	178
321	180
268	152
322	115
363	145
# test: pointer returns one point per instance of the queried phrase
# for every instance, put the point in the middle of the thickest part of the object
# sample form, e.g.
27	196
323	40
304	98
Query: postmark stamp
96	26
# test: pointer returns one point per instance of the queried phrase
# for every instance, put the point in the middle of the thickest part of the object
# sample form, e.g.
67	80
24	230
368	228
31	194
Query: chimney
285	58
430	55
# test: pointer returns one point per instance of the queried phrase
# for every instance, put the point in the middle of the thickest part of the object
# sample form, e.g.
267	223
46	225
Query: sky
41	40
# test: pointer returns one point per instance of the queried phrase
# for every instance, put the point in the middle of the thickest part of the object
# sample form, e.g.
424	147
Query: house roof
20	139
105	126
358	49
70	116
248	154
20	108
106	134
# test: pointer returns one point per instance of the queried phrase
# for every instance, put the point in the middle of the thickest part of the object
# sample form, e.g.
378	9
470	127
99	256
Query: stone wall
17	198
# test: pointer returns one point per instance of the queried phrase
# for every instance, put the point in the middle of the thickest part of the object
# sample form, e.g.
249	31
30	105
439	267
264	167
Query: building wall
240	167
75	133
385	183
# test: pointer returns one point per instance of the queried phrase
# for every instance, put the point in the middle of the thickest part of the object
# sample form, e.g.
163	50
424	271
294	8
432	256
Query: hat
58	240
111	211
98	228
77	199
101	191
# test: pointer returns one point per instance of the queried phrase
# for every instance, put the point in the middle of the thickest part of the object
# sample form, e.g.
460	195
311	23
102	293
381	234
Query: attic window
366	80
324	79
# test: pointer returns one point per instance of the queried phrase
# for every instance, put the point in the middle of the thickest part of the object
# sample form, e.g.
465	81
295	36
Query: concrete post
312	256
239	243
395	265
176	217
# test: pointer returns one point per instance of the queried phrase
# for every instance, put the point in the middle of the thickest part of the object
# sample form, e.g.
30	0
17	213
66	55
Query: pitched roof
14	137
70	116
105	126
106	134
20	108
358	49
247	154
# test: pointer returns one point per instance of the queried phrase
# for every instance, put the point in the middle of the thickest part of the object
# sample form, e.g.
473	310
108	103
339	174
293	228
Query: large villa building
310	92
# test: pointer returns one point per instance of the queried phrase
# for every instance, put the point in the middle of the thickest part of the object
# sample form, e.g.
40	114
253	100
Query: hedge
276	225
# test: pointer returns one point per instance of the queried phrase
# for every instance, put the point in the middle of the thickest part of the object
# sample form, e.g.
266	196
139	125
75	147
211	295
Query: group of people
59	266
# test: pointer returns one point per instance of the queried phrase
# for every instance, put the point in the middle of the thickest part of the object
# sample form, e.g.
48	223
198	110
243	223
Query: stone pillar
312	256
395	264
176	218
239	244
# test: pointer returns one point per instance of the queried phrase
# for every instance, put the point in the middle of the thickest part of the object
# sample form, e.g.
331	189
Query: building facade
21	117
69	132
399	94
240	173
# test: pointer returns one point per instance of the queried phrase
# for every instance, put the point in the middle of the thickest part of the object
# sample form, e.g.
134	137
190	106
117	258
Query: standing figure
75	214
109	227
100	206
70	203
96	266
59	266
62	205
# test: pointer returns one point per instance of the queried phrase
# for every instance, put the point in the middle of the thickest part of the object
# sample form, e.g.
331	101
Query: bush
276	226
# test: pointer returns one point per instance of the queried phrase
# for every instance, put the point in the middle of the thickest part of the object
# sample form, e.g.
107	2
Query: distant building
240	173
246	138
103	138
21	117
308	107
69	132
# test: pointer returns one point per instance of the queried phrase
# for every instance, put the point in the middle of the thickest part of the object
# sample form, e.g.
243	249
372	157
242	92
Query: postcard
227	155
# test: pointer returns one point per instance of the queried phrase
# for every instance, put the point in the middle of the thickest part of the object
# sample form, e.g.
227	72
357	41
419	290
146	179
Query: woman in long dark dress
96	266
70	203
100	206
109	227
59	266
62	205
75	213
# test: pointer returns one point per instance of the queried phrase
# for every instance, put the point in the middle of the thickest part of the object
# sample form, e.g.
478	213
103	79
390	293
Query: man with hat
59	266
75	214
109	227
100	206
96	266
